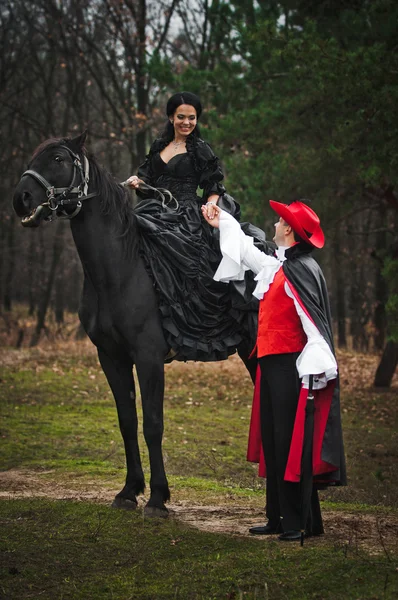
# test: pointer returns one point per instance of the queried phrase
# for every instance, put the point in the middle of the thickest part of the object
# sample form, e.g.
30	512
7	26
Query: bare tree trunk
339	291
80	333
3	230
381	292
7	298
45	299
360	307
59	296
31	276
59	300
388	363
142	91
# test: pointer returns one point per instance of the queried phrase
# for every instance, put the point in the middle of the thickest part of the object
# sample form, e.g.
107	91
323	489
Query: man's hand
211	214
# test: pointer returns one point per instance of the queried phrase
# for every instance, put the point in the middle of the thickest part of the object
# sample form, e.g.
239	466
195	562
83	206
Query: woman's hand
211	214
133	182
211	204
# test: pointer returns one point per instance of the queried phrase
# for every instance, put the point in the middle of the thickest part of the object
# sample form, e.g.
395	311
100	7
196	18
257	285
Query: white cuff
316	358
230	267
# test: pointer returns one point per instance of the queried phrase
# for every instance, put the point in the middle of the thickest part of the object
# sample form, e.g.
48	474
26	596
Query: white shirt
239	255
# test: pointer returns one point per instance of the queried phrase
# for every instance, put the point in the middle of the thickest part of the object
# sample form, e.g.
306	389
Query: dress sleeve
209	168
145	171
239	254
316	357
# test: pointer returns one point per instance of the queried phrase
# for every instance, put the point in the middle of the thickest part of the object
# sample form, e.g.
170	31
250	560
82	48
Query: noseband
57	197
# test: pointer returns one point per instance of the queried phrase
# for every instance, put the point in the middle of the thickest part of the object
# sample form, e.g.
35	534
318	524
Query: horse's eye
58	158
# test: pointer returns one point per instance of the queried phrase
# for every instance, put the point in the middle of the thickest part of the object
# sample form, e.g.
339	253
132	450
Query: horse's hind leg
118	371
150	371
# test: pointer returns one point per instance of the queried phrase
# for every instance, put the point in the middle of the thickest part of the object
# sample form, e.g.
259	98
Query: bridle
65	196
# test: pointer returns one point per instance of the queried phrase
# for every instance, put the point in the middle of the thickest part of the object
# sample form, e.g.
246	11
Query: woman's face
184	120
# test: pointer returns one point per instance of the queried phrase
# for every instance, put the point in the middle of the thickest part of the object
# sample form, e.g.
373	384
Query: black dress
202	319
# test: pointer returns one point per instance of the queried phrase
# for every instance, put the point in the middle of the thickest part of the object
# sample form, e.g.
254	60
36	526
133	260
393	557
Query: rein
57	197
162	192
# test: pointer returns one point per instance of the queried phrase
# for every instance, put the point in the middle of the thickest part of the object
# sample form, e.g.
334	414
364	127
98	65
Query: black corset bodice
178	175
182	189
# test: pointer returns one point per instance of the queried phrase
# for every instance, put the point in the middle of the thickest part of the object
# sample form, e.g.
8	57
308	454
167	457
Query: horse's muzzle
38	214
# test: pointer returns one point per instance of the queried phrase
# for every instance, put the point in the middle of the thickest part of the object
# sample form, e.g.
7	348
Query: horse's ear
77	143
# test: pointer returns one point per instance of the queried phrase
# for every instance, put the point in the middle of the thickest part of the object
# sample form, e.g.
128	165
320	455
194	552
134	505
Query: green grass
62	416
59	424
61	550
58	413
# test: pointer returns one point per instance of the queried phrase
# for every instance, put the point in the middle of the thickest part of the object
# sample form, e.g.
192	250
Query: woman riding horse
202	319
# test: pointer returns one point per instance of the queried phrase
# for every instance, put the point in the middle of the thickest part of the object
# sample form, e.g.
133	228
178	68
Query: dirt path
376	532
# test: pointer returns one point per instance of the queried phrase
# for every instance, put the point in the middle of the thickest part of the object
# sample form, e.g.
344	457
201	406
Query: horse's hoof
153	512
124	503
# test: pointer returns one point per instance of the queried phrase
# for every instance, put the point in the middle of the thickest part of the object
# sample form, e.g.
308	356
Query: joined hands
211	213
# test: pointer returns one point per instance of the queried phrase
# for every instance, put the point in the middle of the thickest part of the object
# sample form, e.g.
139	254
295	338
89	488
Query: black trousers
279	393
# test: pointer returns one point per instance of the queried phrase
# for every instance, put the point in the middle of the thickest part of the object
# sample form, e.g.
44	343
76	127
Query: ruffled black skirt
202	319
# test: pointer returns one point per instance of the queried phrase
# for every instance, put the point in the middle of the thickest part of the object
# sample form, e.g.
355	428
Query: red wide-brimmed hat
302	219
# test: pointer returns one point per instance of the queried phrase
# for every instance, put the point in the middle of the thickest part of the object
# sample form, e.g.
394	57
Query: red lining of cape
322	402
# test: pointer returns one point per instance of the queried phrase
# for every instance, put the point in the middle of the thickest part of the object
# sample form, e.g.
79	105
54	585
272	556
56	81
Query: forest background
300	101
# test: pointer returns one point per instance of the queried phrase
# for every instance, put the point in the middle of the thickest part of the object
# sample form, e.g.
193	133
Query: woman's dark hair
172	104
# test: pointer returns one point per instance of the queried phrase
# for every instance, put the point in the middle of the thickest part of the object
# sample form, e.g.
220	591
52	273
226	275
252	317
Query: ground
377	532
63	463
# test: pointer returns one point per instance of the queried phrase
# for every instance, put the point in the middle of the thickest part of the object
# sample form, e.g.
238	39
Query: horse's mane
115	199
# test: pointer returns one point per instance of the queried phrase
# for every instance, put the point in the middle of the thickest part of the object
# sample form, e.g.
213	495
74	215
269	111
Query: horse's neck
105	254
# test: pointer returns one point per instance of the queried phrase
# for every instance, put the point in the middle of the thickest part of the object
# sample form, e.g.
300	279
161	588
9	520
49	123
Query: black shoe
265	529
290	536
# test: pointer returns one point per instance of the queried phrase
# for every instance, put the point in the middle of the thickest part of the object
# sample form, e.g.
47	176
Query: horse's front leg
118	371
150	371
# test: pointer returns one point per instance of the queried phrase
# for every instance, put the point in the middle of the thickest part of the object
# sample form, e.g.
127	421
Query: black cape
306	278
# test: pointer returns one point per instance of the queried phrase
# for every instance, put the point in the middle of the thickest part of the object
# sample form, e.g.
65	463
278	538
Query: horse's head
53	183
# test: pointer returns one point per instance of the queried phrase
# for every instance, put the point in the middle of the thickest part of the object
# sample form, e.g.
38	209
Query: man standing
294	342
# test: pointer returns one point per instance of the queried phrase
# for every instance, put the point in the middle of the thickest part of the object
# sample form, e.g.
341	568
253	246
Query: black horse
118	308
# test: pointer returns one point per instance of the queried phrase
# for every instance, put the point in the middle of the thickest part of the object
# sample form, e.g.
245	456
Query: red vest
279	326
